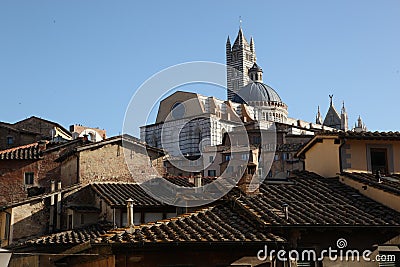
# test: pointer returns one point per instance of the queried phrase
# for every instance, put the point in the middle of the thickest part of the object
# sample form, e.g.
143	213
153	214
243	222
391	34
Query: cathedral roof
256	91
332	117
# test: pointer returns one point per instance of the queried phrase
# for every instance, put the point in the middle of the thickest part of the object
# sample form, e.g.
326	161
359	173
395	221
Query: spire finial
331	96
240	22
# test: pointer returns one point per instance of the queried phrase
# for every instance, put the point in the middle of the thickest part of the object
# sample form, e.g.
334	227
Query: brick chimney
249	183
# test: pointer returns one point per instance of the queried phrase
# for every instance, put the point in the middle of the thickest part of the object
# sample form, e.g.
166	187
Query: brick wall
45	169
12	186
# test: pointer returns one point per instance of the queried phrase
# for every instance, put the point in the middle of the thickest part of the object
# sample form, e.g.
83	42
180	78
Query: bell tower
239	59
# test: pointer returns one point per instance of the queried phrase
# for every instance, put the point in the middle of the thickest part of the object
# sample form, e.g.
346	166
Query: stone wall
29	219
69	171
19	138
107	163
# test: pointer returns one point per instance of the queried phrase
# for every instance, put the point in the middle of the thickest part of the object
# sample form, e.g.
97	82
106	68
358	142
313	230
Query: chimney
285	209
378	176
198	180
85	138
129	214
59	185
42	145
52	186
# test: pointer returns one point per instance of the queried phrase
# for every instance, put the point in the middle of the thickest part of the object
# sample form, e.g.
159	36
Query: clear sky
81	61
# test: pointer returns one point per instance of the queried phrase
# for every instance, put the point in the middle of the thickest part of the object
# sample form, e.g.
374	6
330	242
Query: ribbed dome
256	91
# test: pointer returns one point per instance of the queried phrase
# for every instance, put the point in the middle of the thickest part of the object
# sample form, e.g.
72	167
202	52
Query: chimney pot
52	186
286	210
378	176
198	180
59	185
129	213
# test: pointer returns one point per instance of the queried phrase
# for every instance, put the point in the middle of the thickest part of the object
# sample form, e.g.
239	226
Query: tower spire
344	119
318	119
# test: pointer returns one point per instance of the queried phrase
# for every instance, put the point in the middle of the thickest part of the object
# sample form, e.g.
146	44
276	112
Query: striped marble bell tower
239	59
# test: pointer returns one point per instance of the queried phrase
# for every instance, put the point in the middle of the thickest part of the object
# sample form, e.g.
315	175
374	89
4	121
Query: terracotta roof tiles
316	201
25	152
214	224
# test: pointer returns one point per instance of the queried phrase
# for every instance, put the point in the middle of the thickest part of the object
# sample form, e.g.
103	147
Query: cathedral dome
256	91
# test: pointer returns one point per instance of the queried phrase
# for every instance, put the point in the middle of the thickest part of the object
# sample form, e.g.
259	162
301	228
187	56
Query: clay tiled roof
289	147
71	237
25	152
316	201
187	181
371	135
390	184
116	194
214	224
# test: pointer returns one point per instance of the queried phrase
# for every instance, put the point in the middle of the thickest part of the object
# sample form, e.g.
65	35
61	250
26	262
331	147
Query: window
212	173
285	156
82	218
227	157
379	160
211	159
29	178
245	156
10	140
276	158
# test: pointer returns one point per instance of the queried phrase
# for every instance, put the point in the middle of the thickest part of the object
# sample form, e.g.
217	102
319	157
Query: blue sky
81	61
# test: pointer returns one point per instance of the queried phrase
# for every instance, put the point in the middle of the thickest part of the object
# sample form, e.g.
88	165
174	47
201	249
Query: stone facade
31	130
26	220
12	137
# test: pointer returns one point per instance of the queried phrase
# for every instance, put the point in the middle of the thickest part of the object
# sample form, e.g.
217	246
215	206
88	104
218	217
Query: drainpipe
9	228
113	214
340	155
